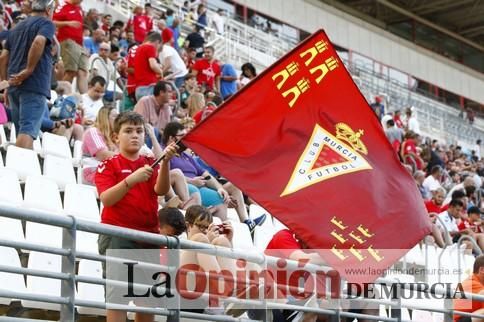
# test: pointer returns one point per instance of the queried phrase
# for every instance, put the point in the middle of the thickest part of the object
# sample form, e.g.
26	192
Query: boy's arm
111	196
162	184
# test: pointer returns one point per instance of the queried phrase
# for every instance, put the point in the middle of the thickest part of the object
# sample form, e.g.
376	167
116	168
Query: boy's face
130	137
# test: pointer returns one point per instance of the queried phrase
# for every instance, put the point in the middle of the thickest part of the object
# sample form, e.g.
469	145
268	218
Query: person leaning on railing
473	284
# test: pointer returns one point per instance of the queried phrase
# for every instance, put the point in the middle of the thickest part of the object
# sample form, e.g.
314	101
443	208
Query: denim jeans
27	111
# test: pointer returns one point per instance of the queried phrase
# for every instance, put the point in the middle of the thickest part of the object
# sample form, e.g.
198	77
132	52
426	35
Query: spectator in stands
92	43
68	20
92	101
169	17
432	182
228	81
477	148
201	229
473	284
449	219
175	29
172	222
98	144
248	74
378	107
195	41
409	151
202	21
218	21
195	103
436	204
411	122
397	117
131	80
102	65
106	22
394	135
207	70
419	177
468	181
145	63
472	226
91	19
130	199
26	61
174	68
212	193
155	108
140	24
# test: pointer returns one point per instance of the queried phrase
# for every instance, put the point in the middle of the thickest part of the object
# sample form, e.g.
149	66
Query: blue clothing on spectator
169	20
3	35
47	123
228	88
202	20
18	43
91	45
176	36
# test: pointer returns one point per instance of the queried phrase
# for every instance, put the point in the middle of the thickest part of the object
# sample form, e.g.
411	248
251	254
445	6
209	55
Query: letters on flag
301	140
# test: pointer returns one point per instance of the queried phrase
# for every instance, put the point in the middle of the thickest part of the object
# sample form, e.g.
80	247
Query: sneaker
256	222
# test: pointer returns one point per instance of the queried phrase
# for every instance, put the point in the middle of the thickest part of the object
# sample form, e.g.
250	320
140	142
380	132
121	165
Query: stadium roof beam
430	24
436	6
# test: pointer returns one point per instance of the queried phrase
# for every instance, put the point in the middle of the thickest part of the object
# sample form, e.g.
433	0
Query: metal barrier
68	300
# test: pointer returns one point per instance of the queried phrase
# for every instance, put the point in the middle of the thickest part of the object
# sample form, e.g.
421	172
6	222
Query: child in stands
129	188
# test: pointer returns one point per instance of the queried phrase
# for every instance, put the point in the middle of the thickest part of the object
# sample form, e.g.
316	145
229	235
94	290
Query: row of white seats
41	193
26	163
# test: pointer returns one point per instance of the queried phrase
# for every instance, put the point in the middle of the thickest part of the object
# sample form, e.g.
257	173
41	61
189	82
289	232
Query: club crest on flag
327	156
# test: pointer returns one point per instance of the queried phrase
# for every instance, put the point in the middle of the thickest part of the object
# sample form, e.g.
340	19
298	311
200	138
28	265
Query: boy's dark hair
390	123
478	263
161	86
172	217
196	214
114	48
119	24
171	129
127	118
435	169
169	12
456	203
470	190
97	80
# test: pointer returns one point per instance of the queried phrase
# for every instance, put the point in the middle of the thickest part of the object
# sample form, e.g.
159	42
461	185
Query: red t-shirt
432	207
69	12
465	224
131	81
141	24
143	74
283	239
138	209
207	72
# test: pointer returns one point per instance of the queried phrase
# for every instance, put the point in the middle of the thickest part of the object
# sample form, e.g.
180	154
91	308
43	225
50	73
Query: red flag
302	141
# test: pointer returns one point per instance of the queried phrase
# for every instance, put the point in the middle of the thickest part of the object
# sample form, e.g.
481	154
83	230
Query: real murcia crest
327	156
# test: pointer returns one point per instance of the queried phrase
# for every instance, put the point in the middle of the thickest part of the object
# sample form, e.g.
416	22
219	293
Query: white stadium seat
25	162
9	281
3	137
11	194
59	170
90	292
55	145
242	238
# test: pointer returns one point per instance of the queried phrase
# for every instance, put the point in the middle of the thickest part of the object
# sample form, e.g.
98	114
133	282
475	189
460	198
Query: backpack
64	108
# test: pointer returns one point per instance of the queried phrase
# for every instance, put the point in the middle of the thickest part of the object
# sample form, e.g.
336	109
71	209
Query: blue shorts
27	111
143	91
209	196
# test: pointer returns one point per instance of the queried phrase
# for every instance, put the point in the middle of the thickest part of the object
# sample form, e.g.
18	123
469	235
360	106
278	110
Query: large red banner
302	141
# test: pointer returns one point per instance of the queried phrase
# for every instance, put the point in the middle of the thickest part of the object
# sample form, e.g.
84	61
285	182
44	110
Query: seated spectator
419	177
248	74
435	205
212	193
102	65
93	43
432	182
155	108
200	228
472	226
449	219
473	284
195	103
468	181
98	144
172	222
409	151
92	101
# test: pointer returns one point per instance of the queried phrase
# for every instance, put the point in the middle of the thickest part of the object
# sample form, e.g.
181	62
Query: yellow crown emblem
346	134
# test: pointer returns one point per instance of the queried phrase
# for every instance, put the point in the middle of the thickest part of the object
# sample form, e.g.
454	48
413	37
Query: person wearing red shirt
131	81
208	70
129	188
140	24
473	284
434	206
472	226
147	70
68	19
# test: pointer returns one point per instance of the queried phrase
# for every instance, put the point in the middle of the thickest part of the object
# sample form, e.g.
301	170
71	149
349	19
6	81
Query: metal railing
68	300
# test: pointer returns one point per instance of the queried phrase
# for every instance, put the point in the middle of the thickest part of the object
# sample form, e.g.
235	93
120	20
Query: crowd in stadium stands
81	75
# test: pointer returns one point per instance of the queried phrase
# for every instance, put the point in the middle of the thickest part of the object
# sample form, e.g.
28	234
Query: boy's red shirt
138	209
